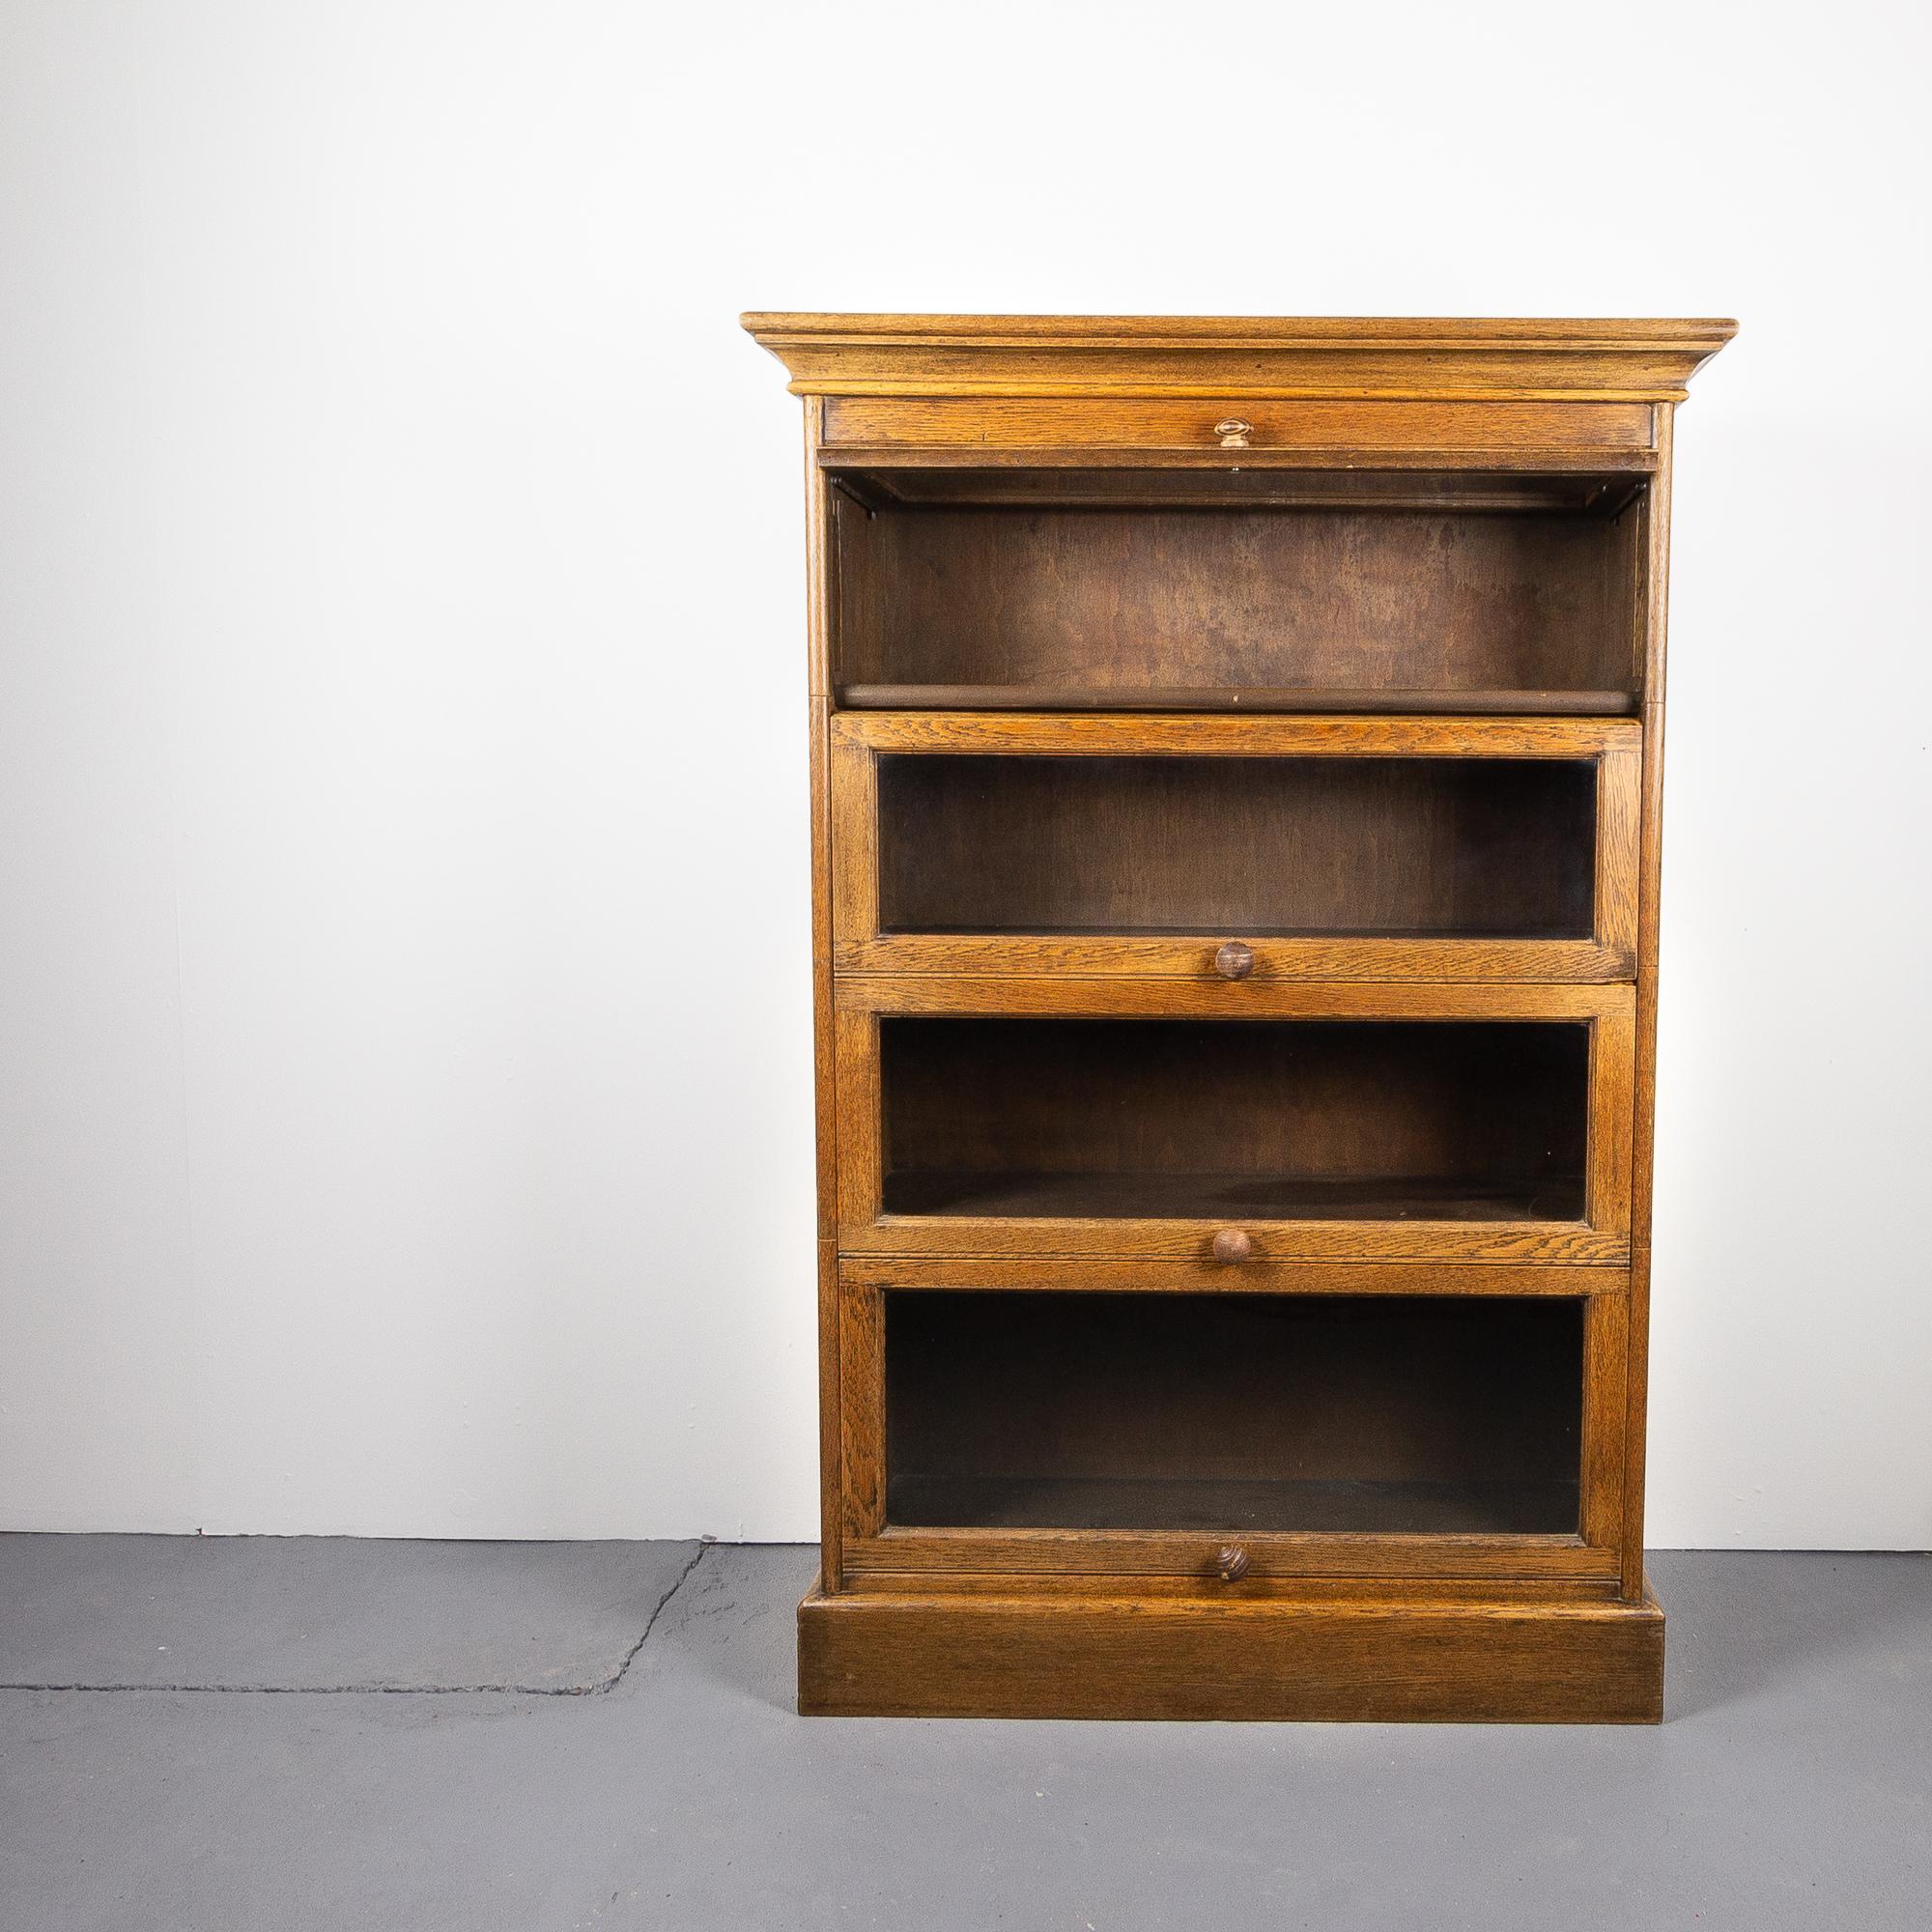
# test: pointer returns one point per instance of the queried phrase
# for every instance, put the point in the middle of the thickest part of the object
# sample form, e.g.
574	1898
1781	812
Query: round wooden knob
1232	1244
1234	960
1231	1561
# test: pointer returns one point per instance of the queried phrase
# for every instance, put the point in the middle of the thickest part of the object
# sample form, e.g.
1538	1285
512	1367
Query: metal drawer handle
1234	432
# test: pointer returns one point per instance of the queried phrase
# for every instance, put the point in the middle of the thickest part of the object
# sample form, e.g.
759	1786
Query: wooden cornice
1468	358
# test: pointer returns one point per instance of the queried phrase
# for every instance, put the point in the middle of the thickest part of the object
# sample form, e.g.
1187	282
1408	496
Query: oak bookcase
1236	765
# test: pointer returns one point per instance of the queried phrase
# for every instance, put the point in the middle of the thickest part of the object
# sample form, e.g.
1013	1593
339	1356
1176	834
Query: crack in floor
601	1689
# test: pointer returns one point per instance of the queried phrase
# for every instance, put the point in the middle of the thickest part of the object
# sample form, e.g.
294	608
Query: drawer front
1262	427
1212	849
1131	1420
1240	1121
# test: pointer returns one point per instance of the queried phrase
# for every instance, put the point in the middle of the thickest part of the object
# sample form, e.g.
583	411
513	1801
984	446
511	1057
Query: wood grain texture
855	1033
1400	1660
855	840
1239	737
1612	1070
1204	1275
862	1384
1245	357
1216	998
1046	1557
1191	956
819	559
1653	601
824	1057
833	1410
1619	833
1176	1238
1606	1380
1303	427
824	876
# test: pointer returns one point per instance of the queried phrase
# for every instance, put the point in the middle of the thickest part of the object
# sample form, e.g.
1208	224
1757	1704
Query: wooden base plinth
1375	1659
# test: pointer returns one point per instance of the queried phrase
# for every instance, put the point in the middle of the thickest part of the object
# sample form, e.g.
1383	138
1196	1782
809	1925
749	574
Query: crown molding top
1646	359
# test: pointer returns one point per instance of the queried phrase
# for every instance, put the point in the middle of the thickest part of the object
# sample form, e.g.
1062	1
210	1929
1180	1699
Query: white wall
403	1105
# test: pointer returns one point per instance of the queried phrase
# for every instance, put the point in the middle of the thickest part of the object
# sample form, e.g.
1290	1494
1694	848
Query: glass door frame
860	739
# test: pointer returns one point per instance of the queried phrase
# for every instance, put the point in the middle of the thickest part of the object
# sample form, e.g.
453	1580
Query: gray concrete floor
258	1733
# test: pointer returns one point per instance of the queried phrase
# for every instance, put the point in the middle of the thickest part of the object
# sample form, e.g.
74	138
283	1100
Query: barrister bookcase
1235	777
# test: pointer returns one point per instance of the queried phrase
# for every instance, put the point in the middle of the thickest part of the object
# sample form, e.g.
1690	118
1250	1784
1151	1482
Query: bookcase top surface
1644	358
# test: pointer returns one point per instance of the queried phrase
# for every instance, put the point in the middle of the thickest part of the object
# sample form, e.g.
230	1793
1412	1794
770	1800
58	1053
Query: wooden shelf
1217	1505
1227	1197
1374	1415
1201	697
1338	606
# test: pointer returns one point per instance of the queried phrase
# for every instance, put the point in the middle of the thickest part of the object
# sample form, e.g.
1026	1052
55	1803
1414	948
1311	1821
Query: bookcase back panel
1253	1412
1092	607
1261	846
1191	1118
